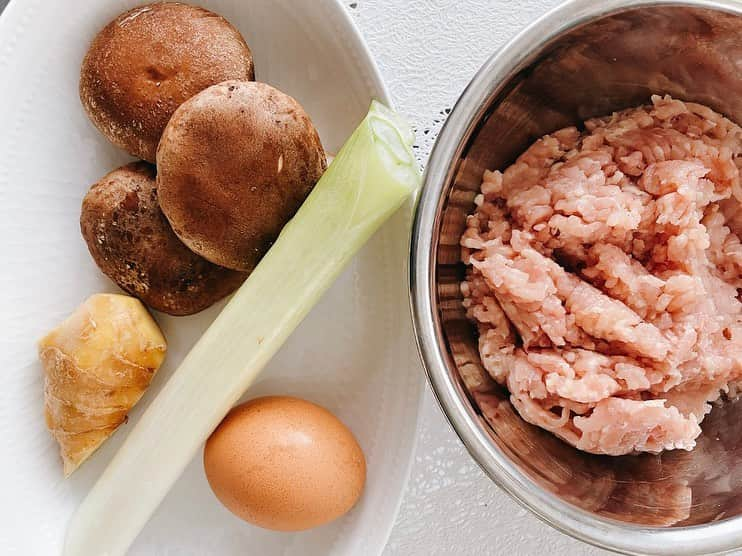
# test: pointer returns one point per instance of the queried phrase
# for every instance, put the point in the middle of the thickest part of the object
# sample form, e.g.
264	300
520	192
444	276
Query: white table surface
427	51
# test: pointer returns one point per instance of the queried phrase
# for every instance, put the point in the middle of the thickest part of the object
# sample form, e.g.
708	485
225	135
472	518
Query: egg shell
285	464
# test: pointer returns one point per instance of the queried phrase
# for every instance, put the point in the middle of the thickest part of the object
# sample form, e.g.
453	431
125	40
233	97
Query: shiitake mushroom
234	164
132	243
148	61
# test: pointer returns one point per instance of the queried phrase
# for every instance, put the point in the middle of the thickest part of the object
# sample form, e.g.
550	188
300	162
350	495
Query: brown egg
285	464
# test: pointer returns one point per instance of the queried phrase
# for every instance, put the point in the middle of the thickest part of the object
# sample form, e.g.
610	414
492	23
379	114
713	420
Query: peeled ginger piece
97	364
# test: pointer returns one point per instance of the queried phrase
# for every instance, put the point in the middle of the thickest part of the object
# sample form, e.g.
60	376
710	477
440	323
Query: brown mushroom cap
148	61
234	164
132	243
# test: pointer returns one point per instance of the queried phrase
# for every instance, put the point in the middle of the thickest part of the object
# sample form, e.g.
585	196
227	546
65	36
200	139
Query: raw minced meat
604	277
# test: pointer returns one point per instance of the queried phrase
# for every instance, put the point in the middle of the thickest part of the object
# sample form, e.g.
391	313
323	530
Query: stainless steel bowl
586	58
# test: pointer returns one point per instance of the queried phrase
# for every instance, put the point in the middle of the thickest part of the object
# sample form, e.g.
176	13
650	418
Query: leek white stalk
372	175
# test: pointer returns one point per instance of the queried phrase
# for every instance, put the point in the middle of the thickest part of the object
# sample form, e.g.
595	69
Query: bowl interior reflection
609	64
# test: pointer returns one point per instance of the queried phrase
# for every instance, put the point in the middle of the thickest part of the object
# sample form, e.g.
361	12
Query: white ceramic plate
353	354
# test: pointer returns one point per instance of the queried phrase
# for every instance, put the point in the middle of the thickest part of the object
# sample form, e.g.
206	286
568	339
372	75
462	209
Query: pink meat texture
603	275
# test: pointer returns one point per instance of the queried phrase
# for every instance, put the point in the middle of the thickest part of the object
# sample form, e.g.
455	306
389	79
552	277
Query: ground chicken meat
603	274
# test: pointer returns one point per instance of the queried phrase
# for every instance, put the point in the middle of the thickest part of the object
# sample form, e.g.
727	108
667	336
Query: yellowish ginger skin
97	364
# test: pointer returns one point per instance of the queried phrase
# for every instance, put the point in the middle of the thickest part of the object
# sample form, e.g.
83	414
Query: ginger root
97	364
